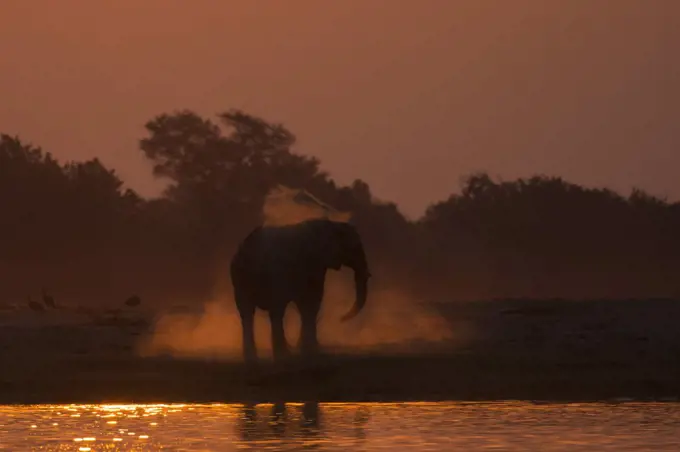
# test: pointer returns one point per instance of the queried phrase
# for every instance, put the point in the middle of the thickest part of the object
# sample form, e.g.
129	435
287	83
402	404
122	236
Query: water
342	427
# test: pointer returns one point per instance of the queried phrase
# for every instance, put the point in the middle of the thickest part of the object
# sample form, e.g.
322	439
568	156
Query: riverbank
527	350
340	379
357	379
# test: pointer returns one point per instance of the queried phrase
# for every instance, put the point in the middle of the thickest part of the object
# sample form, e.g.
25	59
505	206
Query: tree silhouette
75	228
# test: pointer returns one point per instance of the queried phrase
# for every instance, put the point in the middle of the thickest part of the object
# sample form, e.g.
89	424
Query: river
343	427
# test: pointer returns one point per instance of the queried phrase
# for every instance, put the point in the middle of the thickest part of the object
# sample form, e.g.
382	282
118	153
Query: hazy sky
408	95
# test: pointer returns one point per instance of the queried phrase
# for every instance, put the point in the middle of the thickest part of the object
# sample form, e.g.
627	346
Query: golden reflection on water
340	426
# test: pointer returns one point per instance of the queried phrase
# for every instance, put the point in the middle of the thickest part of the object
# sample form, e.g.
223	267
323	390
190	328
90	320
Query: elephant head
341	245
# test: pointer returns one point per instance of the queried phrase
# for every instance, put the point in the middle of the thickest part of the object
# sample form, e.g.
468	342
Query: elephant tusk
350	315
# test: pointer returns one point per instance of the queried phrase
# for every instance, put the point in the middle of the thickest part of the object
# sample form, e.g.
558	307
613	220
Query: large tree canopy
76	223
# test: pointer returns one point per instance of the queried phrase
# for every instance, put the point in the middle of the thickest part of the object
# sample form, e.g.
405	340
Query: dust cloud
390	320
285	206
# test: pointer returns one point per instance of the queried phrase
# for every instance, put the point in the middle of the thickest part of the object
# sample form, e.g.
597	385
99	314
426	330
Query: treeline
75	229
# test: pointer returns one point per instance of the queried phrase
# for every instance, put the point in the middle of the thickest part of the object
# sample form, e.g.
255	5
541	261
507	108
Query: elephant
276	265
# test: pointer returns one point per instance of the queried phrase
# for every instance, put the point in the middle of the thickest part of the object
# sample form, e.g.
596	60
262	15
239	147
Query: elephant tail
243	254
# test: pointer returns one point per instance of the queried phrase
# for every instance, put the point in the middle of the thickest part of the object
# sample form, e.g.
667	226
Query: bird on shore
133	301
48	299
34	305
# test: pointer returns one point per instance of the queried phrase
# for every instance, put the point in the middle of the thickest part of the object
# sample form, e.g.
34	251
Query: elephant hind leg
279	344
249	346
308	335
247	313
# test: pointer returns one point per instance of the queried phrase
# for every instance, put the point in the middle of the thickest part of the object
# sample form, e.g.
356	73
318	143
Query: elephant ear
331	244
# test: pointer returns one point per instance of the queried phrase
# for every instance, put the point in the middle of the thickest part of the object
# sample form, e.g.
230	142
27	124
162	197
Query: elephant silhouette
276	265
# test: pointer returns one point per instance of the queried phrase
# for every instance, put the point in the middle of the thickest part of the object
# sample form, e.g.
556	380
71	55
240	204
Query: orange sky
408	95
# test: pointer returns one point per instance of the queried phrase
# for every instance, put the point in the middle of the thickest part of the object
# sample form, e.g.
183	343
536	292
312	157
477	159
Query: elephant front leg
279	344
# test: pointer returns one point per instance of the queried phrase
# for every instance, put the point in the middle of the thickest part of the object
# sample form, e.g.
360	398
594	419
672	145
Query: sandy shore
537	350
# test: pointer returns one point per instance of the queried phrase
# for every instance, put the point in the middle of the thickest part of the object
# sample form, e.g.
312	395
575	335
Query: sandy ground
513	349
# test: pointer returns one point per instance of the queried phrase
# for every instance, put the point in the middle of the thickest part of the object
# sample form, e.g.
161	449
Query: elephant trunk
361	275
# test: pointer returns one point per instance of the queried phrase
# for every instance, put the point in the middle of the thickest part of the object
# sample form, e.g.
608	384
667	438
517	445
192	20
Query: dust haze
390	320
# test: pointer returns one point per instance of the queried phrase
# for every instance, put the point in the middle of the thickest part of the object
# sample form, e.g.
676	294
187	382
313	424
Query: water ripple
347	427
